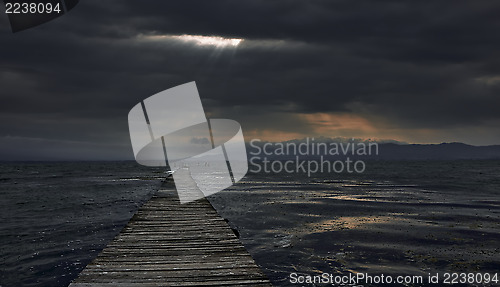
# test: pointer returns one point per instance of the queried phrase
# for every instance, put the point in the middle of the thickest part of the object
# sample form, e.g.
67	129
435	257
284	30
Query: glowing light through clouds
210	40
214	41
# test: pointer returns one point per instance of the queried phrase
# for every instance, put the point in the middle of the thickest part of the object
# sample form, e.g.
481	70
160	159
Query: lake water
397	218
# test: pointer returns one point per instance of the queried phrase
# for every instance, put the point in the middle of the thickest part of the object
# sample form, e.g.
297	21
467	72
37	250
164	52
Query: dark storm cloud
403	57
416	64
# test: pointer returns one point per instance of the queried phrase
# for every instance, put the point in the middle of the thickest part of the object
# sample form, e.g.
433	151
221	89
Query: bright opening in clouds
215	41
210	40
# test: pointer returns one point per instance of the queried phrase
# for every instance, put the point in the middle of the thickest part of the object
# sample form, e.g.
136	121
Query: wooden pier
171	244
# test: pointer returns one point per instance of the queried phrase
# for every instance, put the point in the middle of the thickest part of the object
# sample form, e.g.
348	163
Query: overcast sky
413	71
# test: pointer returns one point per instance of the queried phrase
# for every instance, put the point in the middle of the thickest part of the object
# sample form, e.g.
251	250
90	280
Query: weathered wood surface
171	244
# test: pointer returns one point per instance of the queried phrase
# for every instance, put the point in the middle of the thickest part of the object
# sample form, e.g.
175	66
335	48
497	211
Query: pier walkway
171	244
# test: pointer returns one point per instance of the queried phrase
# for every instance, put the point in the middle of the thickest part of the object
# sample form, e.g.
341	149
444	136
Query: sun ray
214	41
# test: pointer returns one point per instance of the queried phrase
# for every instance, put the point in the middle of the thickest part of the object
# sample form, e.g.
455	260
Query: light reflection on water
398	218
316	225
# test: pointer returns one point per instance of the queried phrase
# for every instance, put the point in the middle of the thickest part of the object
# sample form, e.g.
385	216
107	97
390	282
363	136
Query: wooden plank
171	244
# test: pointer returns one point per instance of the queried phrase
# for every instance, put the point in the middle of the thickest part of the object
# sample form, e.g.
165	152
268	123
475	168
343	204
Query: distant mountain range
443	151
367	149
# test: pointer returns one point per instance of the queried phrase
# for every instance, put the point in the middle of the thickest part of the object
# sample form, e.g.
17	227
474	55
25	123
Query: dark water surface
56	217
397	218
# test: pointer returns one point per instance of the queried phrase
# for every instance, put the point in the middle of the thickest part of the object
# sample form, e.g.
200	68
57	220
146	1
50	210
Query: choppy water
397	218
55	217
